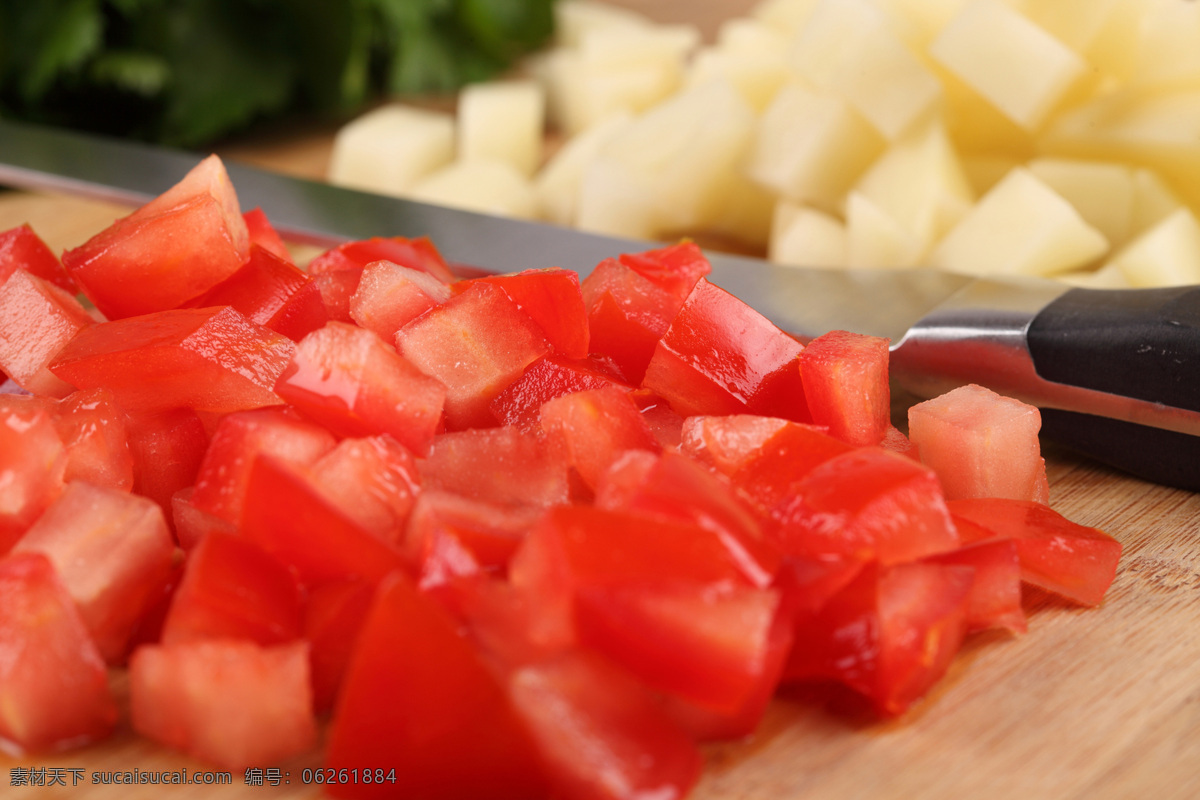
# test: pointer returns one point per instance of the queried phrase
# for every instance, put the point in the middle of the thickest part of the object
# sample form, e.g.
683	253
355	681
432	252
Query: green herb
186	72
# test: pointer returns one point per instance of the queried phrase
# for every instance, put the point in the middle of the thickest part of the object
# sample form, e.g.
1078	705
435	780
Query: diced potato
1101	191
557	185
743	213
1024	71
920	184
920	21
574	19
489	187
748	54
1020	227
389	149
1076	23
1166	255
875	239
847	47
810	147
786	16
504	121
1169	46
616	200
803	236
1153	200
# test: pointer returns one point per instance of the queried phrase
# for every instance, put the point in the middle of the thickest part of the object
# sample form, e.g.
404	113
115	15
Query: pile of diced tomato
508	536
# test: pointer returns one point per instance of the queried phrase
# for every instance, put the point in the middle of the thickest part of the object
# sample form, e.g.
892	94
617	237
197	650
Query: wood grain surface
1099	704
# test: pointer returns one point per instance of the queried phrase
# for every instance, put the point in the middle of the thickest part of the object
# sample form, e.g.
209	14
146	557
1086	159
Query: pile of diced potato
1046	137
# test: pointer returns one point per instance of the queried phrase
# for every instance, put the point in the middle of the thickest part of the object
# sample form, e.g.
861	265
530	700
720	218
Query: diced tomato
94	433
719	356
552	298
506	466
443	703
334	614
336	289
53	685
112	551
981	444
285	514
191	524
206	359
167	448
665	424
270	291
726	442
221	484
1071	560
231	589
169	251
33	463
596	426
419	254
889	634
675	268
627	315
37	319
263	234
234	704
995	599
869	503
355	384
487	533
21	248
374	480
769	473
545	379
476	344
845	378
390	296
600	733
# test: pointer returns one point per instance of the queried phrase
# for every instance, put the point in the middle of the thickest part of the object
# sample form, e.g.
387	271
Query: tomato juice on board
574	528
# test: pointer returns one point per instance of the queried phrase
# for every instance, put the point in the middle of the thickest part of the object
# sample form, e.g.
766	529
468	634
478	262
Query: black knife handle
1143	344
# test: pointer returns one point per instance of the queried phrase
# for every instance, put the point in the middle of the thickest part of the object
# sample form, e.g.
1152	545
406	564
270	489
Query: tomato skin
207	359
54	690
113	552
545	379
554	301
1071	560
231	589
484	532
419	253
995	598
845	378
719	356
334	614
627	315
232	703
444	702
263	234
21	248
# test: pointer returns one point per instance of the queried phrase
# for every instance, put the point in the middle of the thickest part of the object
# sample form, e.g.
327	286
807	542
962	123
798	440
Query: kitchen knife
1116	373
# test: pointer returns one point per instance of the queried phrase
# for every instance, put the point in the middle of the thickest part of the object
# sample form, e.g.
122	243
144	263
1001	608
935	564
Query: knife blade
1115	373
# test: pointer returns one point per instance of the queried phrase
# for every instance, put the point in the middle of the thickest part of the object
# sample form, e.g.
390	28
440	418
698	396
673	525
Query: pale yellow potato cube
875	239
1076	23
810	147
806	237
1101	191
502	121
1153	200
920	184
748	54
557	184
1022	70
1108	276
786	16
485	186
743	213
919	22
615	199
574	19
848	48
389	149
1166	255
1168	54
1020	227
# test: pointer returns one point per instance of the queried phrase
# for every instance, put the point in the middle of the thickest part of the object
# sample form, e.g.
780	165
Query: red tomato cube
476	344
53	683
675	268
235	704
374	480
231	589
869	503
726	442
845	378
37	319
390	296
719	356
596	426
1071	560
355	384
981	444
419	254
206	359
506	466
545	379
21	248
627	315
221	483
167	252
33	463
447	730
94	433
272	292
167	448
113	552
336	288
768	474
553	299
487	533
334	614
263	233
995	598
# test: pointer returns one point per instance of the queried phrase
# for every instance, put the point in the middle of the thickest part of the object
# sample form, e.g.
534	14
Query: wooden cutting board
1100	704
